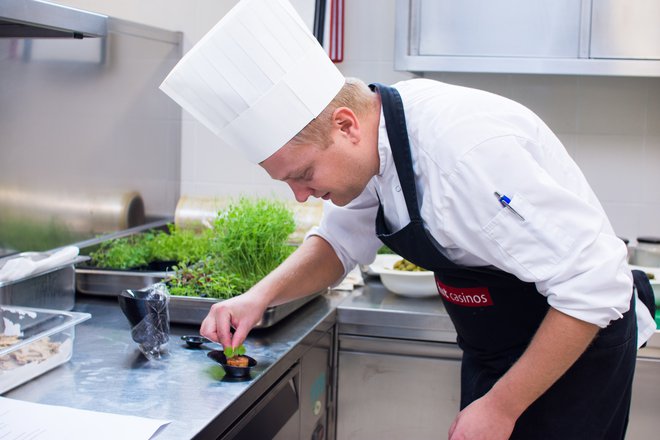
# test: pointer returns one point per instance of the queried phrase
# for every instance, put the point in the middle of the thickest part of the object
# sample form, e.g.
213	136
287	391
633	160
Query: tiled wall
610	125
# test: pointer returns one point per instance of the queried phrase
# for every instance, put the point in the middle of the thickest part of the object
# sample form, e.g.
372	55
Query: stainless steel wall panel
85	120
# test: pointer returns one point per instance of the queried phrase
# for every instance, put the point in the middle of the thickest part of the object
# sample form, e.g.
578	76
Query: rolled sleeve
598	285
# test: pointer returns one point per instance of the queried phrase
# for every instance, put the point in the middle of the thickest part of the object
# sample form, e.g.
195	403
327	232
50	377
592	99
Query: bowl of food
404	278
236	366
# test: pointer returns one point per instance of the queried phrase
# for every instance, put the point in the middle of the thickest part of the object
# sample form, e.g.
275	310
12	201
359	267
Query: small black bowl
194	341
236	372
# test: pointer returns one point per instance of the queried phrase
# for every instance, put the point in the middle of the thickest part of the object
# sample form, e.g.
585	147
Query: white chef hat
256	79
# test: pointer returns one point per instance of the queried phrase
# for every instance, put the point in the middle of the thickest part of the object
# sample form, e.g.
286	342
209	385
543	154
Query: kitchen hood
41	19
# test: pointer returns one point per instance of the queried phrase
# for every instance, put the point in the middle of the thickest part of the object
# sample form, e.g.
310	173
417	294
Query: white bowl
381	262
401	282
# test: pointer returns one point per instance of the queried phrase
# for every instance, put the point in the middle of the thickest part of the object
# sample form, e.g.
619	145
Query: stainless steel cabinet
511	28
581	37
297	406
275	415
316	407
626	29
396	389
644	414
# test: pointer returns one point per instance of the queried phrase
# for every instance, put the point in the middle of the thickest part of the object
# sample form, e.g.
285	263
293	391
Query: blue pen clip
505	201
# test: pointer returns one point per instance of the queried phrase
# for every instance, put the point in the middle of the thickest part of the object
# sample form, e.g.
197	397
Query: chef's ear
345	120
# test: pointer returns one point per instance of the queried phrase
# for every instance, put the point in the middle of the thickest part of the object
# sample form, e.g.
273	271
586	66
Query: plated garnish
407	266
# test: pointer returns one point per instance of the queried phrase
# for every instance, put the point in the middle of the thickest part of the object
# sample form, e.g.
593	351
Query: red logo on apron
465	296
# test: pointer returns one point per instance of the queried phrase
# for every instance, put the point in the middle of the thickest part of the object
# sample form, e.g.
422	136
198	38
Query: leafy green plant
235	351
246	242
179	245
182	245
124	253
205	279
250	238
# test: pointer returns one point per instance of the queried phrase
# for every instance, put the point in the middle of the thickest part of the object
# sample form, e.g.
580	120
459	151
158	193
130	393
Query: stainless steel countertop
375	311
107	372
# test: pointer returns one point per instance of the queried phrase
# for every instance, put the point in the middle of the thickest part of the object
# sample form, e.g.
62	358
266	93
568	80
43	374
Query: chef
462	182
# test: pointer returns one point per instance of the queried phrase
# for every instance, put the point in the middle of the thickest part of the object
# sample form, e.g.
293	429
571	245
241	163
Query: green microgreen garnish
251	238
178	245
236	351
247	241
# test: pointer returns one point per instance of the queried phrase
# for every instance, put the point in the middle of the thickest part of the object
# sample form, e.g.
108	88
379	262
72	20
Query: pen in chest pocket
505	201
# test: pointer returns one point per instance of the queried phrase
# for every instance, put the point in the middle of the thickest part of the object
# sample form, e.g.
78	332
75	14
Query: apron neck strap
397	133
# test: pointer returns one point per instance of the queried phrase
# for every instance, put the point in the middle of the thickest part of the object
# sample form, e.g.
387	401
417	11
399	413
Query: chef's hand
312	266
241	312
482	420
557	344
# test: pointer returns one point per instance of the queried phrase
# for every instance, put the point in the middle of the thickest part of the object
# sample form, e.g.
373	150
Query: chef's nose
301	192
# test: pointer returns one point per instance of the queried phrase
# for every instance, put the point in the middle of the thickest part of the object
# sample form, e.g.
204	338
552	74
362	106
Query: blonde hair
354	94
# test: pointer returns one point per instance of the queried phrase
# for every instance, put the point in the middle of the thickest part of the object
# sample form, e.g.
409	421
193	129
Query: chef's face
338	172
312	171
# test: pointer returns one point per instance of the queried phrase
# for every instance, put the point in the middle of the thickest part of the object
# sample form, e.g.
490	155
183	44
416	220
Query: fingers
241	312
239	335
217	325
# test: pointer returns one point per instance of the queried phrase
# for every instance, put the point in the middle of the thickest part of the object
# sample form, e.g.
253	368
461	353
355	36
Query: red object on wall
337	30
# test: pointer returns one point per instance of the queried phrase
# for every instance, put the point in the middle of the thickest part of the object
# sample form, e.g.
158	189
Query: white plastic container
34	341
54	288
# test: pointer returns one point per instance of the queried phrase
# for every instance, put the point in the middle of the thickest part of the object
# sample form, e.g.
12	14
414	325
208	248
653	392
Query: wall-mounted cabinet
583	37
625	29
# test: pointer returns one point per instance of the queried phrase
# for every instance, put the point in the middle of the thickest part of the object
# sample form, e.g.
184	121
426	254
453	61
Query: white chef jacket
467	144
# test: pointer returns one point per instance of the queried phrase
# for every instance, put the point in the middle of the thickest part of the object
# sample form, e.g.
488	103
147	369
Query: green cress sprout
246	241
231	352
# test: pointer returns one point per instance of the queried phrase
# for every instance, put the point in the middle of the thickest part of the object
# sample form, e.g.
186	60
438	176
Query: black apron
496	315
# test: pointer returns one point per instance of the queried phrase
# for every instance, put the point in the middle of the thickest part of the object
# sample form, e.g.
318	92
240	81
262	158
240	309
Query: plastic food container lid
46	335
37	323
